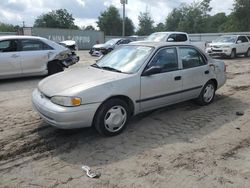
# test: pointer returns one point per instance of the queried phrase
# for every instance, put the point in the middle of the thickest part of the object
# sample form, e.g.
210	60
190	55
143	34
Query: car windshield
112	41
156	37
226	39
126	59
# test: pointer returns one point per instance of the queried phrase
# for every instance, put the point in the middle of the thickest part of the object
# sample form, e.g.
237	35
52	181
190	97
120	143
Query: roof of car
156	44
5	37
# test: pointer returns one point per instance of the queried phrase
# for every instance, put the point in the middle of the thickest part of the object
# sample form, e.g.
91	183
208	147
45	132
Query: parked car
175	37
29	56
72	46
230	46
103	49
131	79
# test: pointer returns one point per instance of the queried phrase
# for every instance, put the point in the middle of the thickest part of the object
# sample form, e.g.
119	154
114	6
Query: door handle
14	56
177	78
206	72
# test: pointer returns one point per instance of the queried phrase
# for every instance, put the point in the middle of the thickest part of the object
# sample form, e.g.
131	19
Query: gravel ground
183	145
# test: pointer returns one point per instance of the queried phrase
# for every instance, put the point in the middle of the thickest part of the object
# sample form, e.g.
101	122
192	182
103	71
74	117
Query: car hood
85	77
101	46
220	43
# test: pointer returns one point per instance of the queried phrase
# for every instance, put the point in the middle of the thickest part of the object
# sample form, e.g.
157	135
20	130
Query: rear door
161	88
34	56
9	58
195	71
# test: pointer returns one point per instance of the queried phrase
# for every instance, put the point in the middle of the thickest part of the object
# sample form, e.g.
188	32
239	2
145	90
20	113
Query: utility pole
23	23
123	2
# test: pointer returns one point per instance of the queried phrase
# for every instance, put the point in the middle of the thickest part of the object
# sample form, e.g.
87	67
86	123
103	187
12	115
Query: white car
131	79
230	46
28	56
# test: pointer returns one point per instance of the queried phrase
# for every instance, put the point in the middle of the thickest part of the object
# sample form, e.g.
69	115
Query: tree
145	23
56	19
216	22
189	18
89	28
110	22
129	27
160	27
242	14
8	27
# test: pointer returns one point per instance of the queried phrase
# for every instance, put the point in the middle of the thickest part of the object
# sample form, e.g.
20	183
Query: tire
112	117
54	67
207	94
233	54
247	54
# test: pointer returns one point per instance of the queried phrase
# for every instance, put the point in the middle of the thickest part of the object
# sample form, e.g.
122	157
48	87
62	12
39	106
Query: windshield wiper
110	68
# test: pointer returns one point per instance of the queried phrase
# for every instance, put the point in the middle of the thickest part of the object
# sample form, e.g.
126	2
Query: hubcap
208	93
115	118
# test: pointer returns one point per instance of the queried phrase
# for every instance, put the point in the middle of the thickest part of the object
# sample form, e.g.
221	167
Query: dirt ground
184	145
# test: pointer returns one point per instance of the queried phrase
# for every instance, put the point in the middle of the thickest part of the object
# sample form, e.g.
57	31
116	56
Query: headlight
66	101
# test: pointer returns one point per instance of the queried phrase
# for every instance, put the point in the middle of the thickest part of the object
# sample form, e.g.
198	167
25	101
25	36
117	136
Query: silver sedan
131	79
28	56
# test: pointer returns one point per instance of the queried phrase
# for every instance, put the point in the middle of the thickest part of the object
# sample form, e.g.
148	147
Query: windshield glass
226	39
112	41
156	37
126	59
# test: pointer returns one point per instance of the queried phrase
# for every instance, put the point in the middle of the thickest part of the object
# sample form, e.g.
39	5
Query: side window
166	59
181	37
243	39
191	58
33	45
172	38
8	46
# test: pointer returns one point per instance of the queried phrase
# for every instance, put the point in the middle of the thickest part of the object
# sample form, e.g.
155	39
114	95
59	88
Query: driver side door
162	88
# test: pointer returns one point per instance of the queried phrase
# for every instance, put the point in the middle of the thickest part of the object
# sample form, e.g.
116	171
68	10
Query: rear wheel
247	54
54	67
207	94
112	117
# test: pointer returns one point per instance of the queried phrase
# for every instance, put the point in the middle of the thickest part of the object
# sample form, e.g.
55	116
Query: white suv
230	45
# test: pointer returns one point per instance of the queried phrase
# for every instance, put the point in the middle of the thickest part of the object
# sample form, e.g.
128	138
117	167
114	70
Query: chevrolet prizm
131	79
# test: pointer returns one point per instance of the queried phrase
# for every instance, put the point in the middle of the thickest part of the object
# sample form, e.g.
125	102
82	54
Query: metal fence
7	33
84	39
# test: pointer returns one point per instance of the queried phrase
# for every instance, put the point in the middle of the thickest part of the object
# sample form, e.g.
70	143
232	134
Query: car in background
133	78
28	56
230	46
72	46
103	49
174	37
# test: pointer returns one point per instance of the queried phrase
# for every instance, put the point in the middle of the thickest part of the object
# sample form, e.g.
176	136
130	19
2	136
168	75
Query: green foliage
189	18
145	23
8	27
89	28
56	19
242	14
110	22
160	27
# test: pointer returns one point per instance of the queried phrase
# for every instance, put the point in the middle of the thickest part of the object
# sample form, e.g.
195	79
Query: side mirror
170	40
152	70
239	41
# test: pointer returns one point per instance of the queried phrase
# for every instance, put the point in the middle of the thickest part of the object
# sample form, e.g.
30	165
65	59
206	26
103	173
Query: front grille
217	50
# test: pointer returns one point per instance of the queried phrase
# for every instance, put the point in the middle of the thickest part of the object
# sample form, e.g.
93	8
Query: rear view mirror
152	70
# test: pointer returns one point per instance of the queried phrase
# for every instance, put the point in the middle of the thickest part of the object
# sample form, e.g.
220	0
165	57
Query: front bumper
70	60
63	117
219	51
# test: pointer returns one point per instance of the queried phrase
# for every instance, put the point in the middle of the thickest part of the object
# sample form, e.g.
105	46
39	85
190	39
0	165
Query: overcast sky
86	12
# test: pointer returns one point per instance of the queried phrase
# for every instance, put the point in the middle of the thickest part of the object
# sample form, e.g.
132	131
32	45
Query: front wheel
112	117
233	54
207	94
54	67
